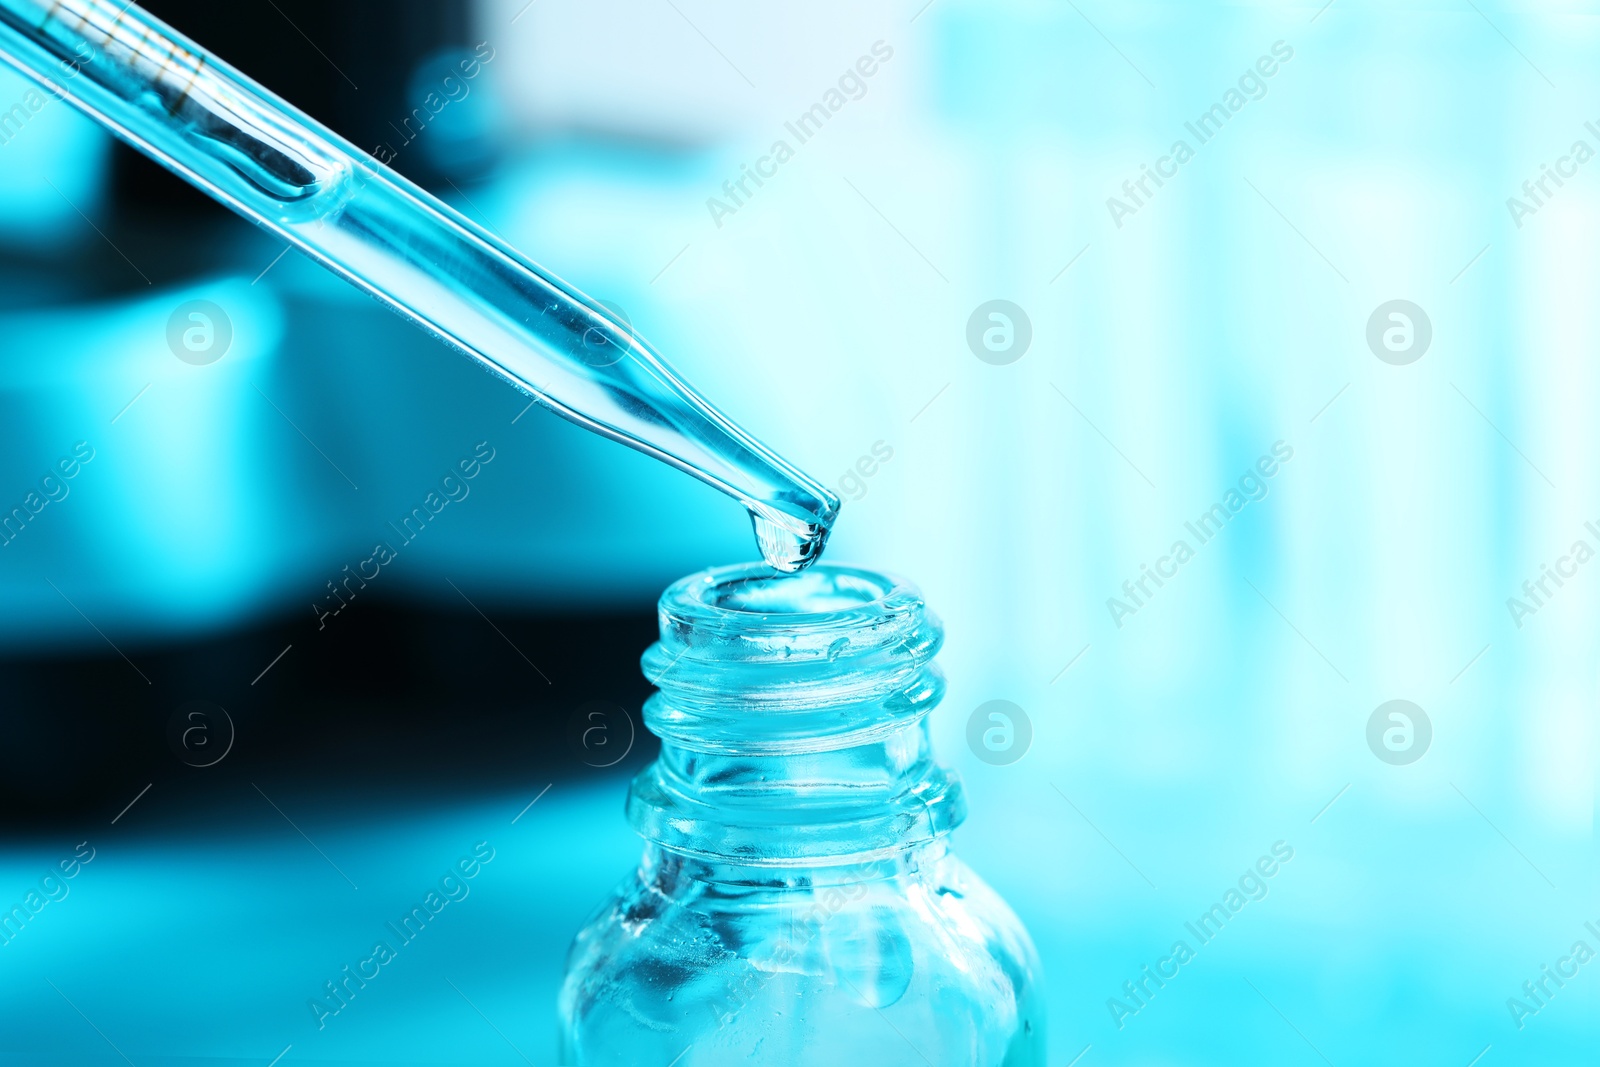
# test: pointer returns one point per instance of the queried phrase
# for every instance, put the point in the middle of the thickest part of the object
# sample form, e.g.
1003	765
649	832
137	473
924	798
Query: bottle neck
792	717
676	874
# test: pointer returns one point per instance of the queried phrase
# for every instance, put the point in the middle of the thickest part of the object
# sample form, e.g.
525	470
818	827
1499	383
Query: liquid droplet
790	546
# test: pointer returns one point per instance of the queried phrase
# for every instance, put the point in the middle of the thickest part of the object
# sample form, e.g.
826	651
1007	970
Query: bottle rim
749	611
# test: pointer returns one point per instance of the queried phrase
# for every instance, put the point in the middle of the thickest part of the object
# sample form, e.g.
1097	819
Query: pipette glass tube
281	169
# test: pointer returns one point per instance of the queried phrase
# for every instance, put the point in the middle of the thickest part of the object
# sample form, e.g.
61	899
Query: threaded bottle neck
792	715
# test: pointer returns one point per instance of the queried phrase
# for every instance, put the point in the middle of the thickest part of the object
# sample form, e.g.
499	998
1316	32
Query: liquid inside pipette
216	128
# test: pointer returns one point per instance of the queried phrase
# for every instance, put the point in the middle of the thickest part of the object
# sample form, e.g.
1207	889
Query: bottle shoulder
934	948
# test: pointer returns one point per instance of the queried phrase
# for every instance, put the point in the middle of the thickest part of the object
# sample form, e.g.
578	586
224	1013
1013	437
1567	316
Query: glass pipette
283	170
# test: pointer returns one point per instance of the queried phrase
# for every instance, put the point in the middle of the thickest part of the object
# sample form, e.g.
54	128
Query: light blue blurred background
828	314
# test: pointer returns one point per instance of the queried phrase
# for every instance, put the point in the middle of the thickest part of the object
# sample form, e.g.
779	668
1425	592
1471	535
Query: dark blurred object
348	64
403	702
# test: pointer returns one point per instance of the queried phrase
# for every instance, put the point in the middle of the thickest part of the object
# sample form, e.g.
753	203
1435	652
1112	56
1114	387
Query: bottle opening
747	612
810	592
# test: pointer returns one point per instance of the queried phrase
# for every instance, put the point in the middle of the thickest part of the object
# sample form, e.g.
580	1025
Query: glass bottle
798	903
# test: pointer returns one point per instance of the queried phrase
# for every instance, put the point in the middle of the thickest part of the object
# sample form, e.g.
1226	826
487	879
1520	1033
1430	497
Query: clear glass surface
797	902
